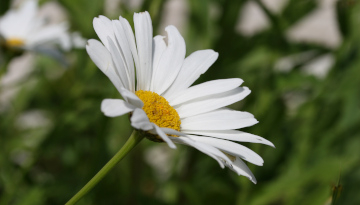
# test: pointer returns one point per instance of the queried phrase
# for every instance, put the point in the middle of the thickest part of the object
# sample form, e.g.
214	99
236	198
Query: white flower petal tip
241	168
232	148
170	62
216	154
267	142
131	98
115	107
232	135
209	103
222	119
161	133
103	28
251	178
207	89
140	121
144	43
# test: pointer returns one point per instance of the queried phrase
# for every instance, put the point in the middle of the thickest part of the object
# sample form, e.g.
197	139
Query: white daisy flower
162	104
24	28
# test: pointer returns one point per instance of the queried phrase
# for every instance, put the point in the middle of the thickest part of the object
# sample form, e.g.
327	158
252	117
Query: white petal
18	23
232	148
102	59
163	136
242	169
131	98
125	51
172	131
206	149
130	39
212	102
237	165
140	121
194	65
144	34
233	135
170	61
115	107
204	89
119	64
159	47
51	34
103	28
99	55
28	10
222	119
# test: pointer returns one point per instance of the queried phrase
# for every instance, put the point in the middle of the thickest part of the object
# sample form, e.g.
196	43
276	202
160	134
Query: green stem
133	140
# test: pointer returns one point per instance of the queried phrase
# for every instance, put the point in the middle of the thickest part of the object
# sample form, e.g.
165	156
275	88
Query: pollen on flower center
158	110
14	42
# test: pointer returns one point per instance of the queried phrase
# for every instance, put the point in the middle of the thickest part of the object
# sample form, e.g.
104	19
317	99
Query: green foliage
316	142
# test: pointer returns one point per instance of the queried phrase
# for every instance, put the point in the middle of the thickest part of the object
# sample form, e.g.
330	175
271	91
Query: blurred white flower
111	7
319	66
163	106
18	70
311	28
53	12
293	100
77	40
133	4
159	158
252	19
275	6
287	63
35	125
175	12
29	28
33	119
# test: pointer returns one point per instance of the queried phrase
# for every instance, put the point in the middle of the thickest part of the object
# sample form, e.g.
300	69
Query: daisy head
154	78
25	28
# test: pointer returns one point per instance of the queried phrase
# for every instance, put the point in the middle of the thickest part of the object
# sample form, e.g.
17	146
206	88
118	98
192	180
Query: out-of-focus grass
316	144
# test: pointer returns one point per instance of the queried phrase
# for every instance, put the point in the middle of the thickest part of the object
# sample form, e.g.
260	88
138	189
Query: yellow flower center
159	111
14	42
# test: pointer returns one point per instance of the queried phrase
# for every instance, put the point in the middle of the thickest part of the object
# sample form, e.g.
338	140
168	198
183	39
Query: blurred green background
54	138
